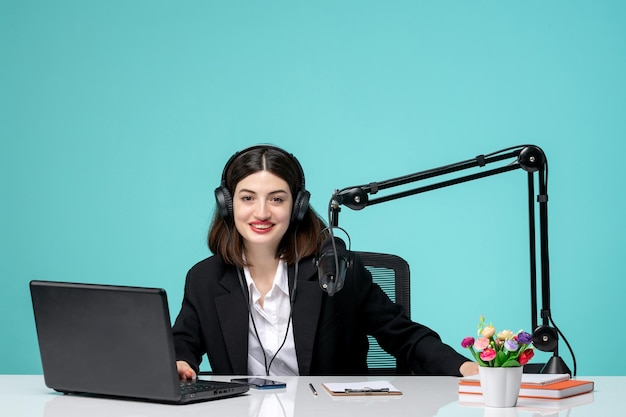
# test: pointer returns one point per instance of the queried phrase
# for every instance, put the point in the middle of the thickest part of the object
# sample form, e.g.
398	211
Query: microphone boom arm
356	198
531	159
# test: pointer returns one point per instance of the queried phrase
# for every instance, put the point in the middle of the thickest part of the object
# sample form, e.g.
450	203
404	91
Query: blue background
116	119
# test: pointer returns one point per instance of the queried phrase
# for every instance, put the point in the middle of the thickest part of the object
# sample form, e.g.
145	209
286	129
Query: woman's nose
261	210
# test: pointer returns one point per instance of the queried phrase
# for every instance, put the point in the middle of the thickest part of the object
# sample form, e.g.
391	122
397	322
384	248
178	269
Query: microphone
333	264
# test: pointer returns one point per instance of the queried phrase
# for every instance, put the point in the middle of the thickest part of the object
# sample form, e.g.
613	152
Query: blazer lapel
306	312
233	318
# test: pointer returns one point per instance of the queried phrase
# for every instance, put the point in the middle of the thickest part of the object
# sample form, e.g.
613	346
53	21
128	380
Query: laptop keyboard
204	386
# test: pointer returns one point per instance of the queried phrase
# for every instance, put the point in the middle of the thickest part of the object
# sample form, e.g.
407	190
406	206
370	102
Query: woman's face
262	205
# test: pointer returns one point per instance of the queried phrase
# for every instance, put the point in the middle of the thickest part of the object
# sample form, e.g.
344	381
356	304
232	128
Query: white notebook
530	379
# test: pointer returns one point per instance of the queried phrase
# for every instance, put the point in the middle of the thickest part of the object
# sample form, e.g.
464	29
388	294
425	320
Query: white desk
26	395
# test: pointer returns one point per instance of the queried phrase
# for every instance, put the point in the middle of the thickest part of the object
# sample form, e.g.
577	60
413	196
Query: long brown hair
300	240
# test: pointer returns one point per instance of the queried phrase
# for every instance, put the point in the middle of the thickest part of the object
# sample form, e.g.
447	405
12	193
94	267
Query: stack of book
535	388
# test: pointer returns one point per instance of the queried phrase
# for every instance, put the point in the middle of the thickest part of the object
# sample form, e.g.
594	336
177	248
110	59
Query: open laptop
113	341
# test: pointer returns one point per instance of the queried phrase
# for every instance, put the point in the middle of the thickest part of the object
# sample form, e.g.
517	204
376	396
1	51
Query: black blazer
330	333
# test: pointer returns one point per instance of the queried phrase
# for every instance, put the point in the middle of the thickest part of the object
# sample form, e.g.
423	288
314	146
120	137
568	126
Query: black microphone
332	264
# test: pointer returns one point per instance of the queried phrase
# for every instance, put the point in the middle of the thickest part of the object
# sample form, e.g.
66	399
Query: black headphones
224	198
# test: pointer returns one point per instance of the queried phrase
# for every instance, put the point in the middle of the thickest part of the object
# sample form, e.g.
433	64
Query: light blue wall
116	118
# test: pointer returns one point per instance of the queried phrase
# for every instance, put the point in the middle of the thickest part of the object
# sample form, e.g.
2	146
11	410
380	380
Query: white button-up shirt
271	322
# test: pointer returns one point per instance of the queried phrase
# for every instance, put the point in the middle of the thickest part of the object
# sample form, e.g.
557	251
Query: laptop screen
115	341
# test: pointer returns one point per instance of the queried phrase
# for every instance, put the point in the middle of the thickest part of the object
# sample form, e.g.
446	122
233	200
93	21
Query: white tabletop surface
27	395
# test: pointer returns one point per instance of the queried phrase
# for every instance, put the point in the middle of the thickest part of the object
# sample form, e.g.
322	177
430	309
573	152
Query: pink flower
526	356
481	343
467	342
488	354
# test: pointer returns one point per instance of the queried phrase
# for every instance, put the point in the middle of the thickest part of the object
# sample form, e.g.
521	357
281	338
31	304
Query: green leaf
511	363
476	356
501	358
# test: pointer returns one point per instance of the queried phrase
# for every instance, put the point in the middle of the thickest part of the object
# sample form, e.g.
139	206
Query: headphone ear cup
300	206
224	202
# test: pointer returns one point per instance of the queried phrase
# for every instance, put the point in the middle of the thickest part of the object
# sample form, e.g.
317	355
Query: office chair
392	274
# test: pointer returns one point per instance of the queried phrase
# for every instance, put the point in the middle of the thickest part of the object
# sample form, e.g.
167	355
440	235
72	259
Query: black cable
571	351
331	234
373	187
246	294
292	299
520	147
462	163
248	297
550	319
569	347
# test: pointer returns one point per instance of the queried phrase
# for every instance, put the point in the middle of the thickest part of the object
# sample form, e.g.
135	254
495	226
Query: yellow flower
505	335
488	331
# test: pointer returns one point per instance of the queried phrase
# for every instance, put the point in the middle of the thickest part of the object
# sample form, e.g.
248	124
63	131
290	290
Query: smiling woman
262	207
256	307
264	159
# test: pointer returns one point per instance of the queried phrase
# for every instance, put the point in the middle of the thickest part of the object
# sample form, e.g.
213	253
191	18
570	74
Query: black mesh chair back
392	274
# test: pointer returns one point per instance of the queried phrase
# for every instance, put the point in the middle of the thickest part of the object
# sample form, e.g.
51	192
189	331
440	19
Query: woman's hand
185	372
467	368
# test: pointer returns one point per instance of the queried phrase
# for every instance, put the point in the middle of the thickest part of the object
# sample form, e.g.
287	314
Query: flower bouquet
501	357
503	349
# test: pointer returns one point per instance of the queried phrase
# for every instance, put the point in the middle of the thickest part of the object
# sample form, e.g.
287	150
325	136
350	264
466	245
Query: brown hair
300	240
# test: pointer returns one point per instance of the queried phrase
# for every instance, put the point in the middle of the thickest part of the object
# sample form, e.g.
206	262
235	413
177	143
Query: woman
255	307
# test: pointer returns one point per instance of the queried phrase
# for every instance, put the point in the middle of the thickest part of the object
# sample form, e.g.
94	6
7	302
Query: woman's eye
246	198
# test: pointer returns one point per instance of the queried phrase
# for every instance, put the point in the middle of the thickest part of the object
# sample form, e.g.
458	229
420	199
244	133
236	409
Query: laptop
113	341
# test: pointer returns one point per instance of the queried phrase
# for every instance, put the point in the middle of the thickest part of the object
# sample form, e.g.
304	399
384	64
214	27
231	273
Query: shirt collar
281	282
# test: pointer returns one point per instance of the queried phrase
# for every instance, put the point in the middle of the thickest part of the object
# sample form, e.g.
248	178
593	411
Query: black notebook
113	341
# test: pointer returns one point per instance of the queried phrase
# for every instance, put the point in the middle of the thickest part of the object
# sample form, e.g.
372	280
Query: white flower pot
500	386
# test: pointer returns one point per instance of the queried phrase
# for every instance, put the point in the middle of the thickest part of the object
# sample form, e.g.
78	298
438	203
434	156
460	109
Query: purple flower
467	342
510	345
524	338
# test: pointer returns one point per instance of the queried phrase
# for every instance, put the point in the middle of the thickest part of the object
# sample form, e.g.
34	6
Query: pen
313	389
